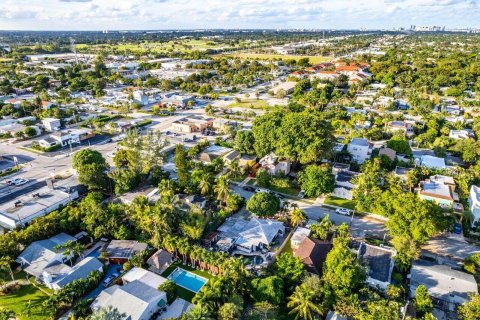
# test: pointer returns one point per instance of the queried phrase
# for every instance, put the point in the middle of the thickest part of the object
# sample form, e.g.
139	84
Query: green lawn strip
18	302
344	203
250	103
251	182
180	291
288	190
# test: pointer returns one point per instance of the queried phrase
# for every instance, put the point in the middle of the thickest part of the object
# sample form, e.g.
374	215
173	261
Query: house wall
152	307
359	153
343	193
436	200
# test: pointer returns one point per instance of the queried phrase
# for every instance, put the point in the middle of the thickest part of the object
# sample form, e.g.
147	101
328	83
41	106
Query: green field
28	296
180	45
344	203
250	103
266	56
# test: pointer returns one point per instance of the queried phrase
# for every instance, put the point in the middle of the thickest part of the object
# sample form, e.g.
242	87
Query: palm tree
6	264
234	169
108	313
205	185
302	304
199	312
222	189
6	314
297	217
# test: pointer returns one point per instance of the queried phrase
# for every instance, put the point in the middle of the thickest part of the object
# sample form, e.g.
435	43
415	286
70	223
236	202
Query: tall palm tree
199	312
234	168
302	304
205	185
222	189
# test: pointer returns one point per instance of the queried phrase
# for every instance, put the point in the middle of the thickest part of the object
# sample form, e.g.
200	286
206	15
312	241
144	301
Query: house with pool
249	236
139	298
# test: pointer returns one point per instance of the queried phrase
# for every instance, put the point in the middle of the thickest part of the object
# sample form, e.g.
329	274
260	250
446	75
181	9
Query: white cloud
185	14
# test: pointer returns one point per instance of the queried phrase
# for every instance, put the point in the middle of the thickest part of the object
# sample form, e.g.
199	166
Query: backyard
26	302
182	292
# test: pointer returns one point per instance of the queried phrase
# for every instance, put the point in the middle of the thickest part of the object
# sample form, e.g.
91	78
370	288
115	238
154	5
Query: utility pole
74	49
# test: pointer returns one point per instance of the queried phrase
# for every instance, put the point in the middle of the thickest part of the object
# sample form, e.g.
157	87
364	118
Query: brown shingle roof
313	253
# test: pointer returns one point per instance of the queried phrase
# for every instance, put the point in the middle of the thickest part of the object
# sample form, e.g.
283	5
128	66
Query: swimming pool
187	280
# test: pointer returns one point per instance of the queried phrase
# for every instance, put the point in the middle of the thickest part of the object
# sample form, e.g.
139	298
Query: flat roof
31	206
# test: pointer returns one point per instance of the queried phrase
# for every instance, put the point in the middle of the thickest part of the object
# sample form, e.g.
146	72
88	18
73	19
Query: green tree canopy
317	180
263	204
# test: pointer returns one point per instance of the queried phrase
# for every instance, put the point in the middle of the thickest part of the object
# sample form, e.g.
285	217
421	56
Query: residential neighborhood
239	174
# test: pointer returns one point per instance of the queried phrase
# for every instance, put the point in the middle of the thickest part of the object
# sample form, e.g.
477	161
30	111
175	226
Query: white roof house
145	276
442	282
251	235
474	204
299	235
41	254
26	208
431	162
139	301
139	297
58	276
461	134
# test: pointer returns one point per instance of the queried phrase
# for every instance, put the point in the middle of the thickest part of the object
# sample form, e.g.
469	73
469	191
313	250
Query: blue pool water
187	280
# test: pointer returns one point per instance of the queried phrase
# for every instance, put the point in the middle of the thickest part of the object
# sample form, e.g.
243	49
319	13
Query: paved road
360	225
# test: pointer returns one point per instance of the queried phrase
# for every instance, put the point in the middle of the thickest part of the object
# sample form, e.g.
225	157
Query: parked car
248	188
108	280
301	194
343	211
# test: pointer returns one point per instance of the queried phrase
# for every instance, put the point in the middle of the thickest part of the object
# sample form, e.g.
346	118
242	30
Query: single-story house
145	276
136	299
389	153
380	263
42	254
313	254
448	287
298	236
249	235
160	261
344	184
57	276
120	251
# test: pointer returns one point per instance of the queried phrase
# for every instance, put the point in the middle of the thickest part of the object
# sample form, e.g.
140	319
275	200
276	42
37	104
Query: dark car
248	188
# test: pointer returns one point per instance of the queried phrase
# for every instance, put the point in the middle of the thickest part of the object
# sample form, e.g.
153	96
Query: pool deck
205	280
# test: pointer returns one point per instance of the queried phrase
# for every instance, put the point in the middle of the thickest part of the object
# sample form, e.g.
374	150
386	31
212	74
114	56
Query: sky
232	14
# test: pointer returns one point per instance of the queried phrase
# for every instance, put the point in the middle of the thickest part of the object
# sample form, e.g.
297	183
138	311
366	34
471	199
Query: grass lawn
239	178
18	301
251	182
250	103
266	56
334	201
182	292
288	246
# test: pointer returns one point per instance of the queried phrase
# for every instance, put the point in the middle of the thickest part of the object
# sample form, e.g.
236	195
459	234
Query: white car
343	211
20	181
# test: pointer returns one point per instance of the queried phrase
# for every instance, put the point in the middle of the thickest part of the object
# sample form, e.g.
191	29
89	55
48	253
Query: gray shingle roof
379	261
